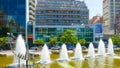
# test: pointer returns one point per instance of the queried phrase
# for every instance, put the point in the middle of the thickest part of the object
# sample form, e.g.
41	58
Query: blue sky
95	7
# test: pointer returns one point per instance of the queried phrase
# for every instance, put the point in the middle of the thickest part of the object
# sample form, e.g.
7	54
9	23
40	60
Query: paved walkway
7	53
10	53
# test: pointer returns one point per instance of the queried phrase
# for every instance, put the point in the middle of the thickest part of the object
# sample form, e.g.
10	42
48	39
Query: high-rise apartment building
110	11
30	15
118	23
31	10
53	17
30	20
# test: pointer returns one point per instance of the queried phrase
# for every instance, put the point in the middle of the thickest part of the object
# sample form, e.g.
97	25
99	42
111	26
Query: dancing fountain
20	51
78	52
91	51
101	48
63	60
110	49
45	56
63	54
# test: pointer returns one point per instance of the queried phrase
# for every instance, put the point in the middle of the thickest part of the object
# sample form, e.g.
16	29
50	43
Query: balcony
31	17
31	12
32	3
32	7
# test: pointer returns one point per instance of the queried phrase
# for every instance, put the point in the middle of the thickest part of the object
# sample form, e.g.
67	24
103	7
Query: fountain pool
44	59
107	62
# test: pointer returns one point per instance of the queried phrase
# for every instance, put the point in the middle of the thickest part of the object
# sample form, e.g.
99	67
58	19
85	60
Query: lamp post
27	47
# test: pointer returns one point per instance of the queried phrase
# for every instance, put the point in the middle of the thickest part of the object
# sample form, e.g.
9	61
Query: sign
30	35
98	28
98	31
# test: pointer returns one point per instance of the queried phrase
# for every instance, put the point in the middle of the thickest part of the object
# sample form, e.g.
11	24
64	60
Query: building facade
14	15
30	16
110	11
54	17
118	23
31	10
30	20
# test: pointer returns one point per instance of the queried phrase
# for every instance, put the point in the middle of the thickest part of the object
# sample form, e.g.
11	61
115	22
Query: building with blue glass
54	17
14	14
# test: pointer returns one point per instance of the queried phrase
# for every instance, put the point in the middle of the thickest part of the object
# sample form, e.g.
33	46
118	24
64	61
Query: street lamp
27	47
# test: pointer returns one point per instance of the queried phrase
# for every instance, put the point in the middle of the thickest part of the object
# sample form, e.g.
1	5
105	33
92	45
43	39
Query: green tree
39	42
53	40
3	41
116	39
82	41
69	36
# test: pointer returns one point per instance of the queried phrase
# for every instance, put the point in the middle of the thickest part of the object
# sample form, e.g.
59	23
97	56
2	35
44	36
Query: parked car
94	44
33	48
55	47
70	47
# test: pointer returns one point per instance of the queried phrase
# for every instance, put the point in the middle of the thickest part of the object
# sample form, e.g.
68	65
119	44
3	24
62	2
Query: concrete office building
54	17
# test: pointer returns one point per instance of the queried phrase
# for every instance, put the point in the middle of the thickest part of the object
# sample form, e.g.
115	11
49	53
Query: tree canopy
3	41
116	39
53	40
39	41
69	36
82	41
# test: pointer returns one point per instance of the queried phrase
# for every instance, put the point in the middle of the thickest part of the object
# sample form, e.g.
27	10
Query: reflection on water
65	65
110	60
42	66
78	64
91	63
45	66
100	62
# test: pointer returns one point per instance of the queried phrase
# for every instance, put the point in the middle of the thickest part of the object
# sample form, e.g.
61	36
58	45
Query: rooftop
61	4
